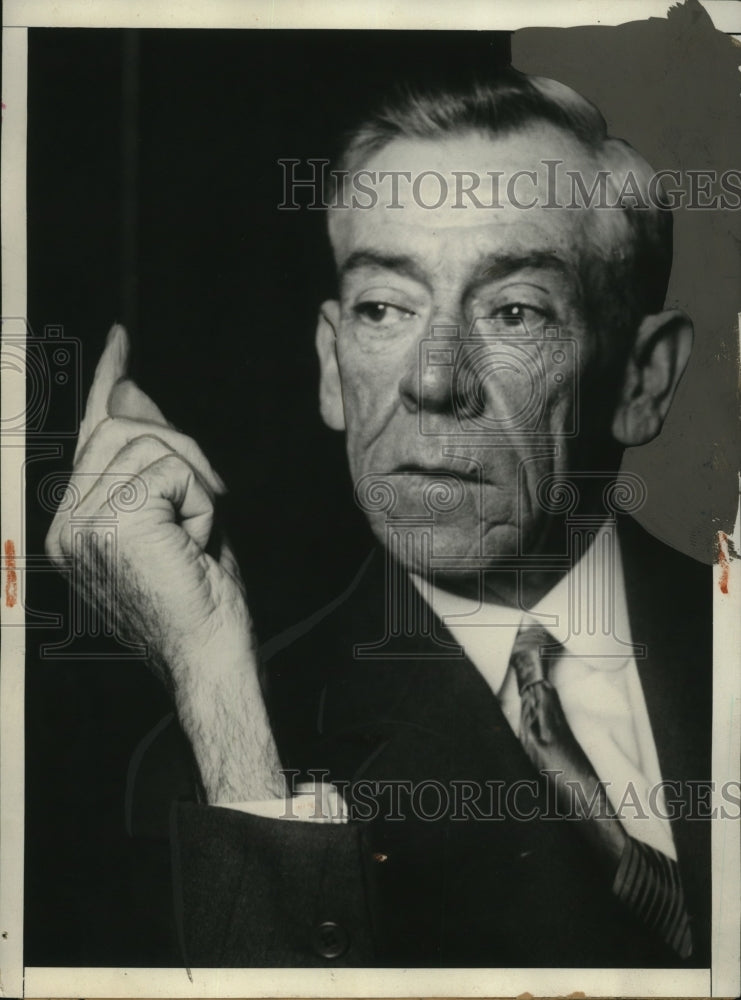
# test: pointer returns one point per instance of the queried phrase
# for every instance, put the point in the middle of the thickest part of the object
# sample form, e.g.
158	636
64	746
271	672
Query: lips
413	469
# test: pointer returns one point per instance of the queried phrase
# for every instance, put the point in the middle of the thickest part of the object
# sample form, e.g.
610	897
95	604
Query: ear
330	384
655	365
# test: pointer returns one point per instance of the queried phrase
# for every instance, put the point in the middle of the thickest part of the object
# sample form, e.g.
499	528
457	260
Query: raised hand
186	604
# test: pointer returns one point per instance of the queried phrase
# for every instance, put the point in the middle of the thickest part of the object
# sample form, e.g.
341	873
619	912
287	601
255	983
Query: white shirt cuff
312	803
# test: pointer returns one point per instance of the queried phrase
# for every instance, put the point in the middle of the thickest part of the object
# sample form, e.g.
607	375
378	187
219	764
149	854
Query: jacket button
329	940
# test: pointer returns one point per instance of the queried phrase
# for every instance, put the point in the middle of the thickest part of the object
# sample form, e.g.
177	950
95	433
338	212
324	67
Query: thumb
111	367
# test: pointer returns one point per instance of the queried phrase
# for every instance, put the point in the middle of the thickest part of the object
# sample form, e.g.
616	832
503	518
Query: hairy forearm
222	712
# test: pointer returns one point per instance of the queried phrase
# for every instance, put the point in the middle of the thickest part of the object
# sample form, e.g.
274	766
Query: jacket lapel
413	702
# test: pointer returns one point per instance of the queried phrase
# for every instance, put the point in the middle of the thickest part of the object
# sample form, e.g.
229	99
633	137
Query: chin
417	544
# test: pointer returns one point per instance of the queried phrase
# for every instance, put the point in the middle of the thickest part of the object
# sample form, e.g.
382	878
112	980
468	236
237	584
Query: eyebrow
489	268
498	265
399	263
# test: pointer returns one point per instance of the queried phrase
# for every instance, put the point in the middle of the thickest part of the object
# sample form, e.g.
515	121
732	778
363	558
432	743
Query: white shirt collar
586	611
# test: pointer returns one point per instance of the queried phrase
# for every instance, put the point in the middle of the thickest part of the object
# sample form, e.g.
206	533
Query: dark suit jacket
452	890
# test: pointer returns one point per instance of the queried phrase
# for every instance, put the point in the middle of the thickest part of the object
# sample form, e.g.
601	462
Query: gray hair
627	279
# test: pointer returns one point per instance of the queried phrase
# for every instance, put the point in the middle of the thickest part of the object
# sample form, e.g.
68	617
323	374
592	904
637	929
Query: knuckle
172	462
142	445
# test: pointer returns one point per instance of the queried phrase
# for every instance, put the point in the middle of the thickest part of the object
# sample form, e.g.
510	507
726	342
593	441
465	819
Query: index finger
128	400
111	367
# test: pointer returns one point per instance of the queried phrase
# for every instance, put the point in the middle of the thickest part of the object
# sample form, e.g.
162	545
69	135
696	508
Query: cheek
565	365
525	387
562	416
369	391
359	403
528	480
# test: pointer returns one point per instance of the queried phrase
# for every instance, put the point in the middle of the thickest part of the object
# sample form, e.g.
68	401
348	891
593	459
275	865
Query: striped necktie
644	879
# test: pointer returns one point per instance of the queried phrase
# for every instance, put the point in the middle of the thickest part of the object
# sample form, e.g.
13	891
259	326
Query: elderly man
502	717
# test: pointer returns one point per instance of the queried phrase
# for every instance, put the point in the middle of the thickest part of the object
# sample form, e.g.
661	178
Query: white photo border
15	980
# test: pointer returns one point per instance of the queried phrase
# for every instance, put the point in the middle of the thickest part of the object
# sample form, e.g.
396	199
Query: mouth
414	469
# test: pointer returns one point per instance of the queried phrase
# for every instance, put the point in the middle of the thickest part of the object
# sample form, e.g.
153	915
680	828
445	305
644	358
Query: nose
429	382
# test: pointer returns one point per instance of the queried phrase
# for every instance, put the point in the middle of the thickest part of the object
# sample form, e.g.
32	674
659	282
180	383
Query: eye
513	312
518	314
382	314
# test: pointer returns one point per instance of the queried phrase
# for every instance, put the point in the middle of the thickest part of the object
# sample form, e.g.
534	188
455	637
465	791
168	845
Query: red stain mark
723	561
11	579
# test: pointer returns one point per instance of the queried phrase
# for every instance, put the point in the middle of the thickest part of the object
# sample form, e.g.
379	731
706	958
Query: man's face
492	399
